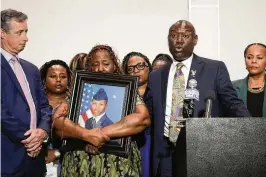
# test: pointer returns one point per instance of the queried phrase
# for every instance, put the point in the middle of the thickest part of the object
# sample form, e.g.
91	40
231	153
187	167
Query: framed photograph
101	99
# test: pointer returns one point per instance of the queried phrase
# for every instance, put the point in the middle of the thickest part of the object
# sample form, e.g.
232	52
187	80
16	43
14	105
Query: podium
225	147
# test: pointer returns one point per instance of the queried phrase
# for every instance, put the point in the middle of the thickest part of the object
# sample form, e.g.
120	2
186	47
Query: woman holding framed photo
80	163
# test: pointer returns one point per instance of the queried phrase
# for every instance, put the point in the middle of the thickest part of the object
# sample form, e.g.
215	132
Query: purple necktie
26	90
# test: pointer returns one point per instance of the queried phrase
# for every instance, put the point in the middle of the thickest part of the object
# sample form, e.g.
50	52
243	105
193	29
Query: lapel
243	89
100	123
30	79
5	65
89	123
196	65
164	81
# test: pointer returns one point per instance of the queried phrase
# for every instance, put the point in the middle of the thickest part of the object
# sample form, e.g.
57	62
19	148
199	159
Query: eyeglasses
139	66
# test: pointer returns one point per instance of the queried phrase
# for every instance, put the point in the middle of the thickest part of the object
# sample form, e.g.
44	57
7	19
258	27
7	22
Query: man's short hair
9	14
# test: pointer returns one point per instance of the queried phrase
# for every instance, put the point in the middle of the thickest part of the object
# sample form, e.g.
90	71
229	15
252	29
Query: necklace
256	90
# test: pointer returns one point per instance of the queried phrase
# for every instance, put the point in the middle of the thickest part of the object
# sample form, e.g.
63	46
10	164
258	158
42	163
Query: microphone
209	98
189	102
188	110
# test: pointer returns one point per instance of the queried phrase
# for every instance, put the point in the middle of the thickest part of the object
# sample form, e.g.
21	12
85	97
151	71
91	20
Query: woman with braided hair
137	64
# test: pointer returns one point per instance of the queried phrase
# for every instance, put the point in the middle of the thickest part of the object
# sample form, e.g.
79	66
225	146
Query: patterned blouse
82	164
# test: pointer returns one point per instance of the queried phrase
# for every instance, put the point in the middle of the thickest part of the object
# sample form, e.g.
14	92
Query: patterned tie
25	88
178	95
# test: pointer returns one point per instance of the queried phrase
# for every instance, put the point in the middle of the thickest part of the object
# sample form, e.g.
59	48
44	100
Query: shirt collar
99	117
187	62
7	55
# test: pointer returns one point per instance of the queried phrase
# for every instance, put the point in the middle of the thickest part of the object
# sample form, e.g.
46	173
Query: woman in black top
252	88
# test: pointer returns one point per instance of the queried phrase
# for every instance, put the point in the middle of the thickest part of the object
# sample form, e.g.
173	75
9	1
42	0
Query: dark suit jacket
15	120
210	75
103	122
241	87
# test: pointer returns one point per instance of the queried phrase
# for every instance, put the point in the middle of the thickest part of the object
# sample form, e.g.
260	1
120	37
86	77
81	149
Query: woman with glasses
137	64
102	58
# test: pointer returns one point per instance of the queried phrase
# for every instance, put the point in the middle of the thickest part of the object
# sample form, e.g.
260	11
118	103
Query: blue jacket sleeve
44	107
148	100
234	106
11	126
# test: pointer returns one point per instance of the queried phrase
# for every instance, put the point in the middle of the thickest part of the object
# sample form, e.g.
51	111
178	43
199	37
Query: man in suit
99	118
25	112
166	93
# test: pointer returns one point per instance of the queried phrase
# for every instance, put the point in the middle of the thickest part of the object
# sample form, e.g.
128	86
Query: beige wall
62	28
226	27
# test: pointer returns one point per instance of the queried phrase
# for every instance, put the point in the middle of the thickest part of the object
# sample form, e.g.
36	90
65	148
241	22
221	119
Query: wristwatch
45	139
57	154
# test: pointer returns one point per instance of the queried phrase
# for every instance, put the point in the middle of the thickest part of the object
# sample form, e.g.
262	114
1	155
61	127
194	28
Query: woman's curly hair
110	51
44	70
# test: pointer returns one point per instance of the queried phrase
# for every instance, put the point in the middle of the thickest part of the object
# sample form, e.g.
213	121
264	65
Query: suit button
27	109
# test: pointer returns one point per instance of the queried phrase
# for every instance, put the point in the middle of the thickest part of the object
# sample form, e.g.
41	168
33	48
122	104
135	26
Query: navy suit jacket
15	120
103	122
210	75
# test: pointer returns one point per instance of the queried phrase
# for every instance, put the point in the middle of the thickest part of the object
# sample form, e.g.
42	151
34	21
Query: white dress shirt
185	69
8	57
98	117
